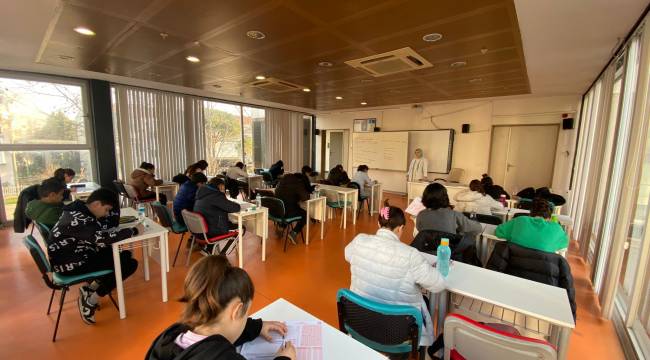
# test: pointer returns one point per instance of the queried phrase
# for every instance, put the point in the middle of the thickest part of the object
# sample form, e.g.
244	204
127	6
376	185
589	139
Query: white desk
336	345
416	188
316	208
509	213
82	193
260	219
375	191
346	193
154	232
530	298
166	186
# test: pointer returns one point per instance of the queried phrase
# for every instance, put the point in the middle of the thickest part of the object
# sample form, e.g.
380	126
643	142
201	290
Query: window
223	135
43	126
307	136
253	122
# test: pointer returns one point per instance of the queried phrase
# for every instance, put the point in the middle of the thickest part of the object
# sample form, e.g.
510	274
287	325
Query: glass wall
223	135
254	139
43	126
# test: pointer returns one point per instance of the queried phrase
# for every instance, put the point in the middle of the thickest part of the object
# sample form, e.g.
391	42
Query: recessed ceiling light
339	98
325	64
164	35
66	57
260	77
306	89
476	80
432	37
363	103
193	59
254	34
484	50
84	31
458	64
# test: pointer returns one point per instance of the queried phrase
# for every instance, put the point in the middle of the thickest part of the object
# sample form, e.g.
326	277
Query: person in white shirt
418	167
387	270
237	175
474	200
362	179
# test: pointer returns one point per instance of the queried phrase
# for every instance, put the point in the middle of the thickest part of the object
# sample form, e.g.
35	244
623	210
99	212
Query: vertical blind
284	138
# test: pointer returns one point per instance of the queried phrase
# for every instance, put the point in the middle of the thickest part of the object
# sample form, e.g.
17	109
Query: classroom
309	179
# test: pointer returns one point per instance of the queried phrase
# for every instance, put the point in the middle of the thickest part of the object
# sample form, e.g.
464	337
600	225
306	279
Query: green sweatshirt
534	233
44	213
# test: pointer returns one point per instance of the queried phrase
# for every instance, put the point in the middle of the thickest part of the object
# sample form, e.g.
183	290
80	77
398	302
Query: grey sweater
447	220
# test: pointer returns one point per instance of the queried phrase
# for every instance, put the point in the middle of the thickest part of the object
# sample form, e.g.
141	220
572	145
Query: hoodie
44	213
78	236
473	201
184	200
214	206
214	347
291	190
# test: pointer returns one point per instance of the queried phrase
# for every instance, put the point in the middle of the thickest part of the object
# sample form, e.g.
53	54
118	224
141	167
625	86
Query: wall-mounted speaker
465	129
316	131
567	124
377	129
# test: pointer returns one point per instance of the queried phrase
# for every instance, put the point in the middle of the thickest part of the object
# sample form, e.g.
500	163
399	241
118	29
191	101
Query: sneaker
86	310
85	291
292	237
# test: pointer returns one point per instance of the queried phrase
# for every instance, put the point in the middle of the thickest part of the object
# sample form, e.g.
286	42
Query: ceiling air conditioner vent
276	85
404	59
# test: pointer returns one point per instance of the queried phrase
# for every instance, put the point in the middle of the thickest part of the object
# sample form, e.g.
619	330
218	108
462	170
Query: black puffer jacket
544	267
214	206
428	240
291	190
21	221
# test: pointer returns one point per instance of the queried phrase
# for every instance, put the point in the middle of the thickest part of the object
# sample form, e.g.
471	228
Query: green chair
165	219
57	281
387	328
335	201
43	229
277	214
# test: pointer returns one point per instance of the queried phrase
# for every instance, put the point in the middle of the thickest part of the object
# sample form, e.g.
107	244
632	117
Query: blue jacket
184	199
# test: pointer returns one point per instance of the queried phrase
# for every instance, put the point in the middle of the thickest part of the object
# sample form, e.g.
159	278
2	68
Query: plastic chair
197	226
387	328
277	214
165	219
468	339
334	201
57	281
121	191
43	229
361	198
135	201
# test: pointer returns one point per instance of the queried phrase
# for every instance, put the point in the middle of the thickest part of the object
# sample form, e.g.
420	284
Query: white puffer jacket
385	269
473	201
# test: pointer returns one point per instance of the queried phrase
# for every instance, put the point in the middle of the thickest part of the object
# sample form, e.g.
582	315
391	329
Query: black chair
121	191
361	198
165	219
277	214
427	241
56	281
268	179
485	219
520	214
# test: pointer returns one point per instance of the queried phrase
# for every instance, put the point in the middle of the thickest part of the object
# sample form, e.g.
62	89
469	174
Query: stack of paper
306	337
415	207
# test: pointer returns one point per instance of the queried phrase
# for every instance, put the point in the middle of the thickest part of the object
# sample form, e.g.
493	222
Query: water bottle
258	202
444	255
141	211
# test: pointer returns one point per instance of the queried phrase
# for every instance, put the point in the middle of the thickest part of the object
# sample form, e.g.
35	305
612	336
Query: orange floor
307	276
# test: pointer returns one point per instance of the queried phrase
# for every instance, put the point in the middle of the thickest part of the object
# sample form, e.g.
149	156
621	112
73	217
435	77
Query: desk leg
164	265
240	242
166	243
117	263
322	218
265	233
355	206
145	258
308	222
345	210
157	193
563	344
442	310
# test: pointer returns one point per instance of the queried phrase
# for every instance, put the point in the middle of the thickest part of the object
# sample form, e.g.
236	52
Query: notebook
306	337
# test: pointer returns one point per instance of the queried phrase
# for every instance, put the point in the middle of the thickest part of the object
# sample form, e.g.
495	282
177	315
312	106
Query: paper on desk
306	336
415	207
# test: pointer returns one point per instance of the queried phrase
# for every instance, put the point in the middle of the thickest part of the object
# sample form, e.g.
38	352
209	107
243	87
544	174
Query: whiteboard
381	150
437	147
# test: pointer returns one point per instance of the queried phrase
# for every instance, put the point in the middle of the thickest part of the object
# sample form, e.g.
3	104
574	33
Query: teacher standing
418	168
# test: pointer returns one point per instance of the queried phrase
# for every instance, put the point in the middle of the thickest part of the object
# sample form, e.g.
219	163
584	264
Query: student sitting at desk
212	203
198	167
186	196
276	170
495	191
535	231
337	176
47	210
439	216
215	320
234	174
387	270
65	176
474	200
362	179
142	179
78	244
306	174
291	190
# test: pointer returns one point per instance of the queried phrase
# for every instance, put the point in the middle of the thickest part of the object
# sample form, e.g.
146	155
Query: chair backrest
455	174
428	241
195	222
162	213
119	186
332	196
131	193
39	257
384	327
353	185
275	206
485	219
267	177
468	339
265	192
520	214
43	229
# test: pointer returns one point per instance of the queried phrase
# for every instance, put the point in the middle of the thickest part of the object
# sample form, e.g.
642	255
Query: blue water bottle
444	255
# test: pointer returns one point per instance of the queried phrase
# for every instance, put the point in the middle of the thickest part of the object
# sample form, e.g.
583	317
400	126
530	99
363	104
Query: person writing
362	179
186	196
238	177
212	203
418	167
142	179
215	320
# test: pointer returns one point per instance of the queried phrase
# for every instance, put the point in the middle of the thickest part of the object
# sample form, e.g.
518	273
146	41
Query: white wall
471	151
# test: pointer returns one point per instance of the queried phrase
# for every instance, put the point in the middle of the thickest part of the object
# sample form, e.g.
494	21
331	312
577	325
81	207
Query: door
335	149
523	156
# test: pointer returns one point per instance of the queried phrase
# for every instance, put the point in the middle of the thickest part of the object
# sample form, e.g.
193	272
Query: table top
336	345
246	208
152	229
340	189
562	219
541	301
87	187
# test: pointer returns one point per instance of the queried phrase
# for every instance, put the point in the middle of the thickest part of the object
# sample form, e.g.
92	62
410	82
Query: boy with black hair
47	210
212	203
78	244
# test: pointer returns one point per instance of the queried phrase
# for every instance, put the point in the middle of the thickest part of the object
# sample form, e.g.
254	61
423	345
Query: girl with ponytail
215	320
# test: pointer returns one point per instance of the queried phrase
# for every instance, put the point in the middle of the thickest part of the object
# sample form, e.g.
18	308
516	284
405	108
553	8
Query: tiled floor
307	276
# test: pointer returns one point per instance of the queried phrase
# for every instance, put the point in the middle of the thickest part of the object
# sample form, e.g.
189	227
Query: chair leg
110	296
58	317
178	249
286	237
189	251
49	306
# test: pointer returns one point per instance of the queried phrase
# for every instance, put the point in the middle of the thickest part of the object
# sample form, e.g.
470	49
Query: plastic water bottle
444	256
141	212
258	202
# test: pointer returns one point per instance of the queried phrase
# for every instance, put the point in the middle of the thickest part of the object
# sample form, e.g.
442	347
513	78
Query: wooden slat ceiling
299	35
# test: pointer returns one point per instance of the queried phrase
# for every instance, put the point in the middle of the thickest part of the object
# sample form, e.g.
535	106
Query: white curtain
151	128
194	129
284	139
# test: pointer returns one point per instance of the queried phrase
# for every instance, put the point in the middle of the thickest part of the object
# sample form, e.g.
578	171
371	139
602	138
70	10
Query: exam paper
306	336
